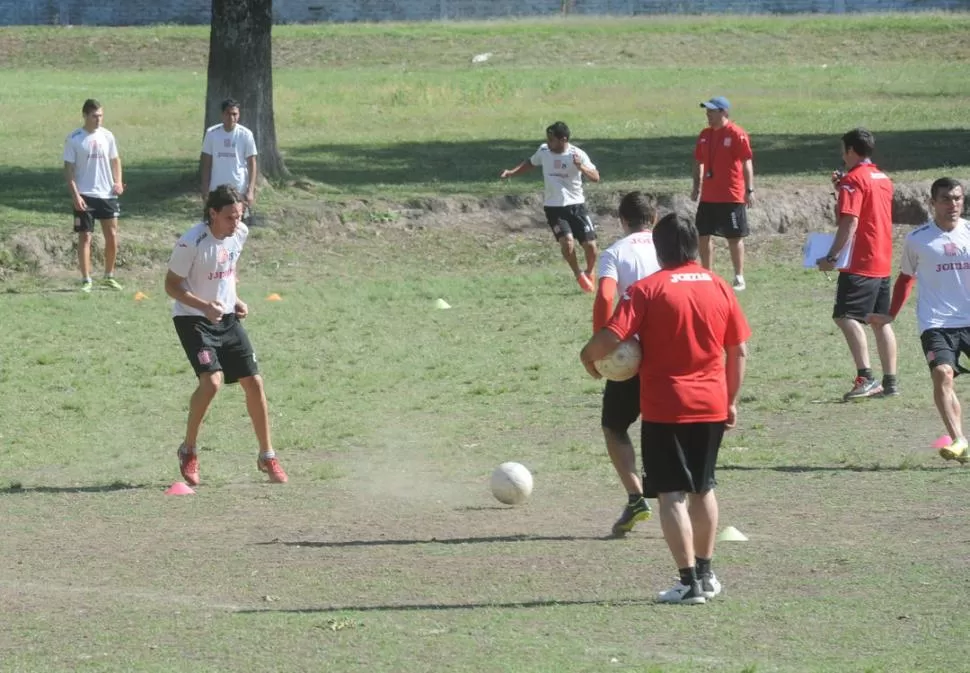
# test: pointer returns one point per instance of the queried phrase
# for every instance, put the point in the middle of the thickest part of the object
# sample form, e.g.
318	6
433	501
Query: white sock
266	455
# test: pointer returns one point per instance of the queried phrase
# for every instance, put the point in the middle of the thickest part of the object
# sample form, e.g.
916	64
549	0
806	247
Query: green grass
385	552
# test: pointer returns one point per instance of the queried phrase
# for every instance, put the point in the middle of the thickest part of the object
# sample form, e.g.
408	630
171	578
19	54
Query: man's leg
886	345
591	252
705	245
110	230
947	403
84	254
675	522
736	246
623	455
209	385
258	410
855	337
703	517
567	245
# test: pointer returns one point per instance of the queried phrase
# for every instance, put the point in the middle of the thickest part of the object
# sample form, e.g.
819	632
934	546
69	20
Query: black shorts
679	456
727	220
858	296
213	347
98	209
572	221
943	346
621	404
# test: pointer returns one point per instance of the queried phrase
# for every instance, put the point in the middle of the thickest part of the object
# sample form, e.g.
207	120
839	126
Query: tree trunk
241	67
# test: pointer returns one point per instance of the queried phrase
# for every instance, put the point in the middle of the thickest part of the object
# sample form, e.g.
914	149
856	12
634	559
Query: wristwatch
750	190
831	259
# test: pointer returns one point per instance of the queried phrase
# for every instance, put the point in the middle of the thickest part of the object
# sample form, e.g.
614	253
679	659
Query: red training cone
179	488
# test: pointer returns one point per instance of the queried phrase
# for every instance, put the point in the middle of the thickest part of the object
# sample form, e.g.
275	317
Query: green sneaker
638	511
86	286
110	282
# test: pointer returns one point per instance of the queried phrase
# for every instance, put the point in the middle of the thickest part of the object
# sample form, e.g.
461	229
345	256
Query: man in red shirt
865	221
724	181
687	398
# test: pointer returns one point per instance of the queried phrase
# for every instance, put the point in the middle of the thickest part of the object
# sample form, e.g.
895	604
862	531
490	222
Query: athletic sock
703	566
266	455
889	380
634	498
186	450
865	373
688	576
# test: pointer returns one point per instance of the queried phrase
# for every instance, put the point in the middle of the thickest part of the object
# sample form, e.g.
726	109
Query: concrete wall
141	12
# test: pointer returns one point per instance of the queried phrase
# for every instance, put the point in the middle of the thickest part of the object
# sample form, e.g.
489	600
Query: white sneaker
739	284
684	594
710	587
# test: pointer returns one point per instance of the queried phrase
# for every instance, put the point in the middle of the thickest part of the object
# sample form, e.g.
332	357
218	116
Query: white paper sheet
818	245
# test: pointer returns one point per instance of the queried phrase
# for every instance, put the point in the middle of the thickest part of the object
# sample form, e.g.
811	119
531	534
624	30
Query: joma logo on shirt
689	277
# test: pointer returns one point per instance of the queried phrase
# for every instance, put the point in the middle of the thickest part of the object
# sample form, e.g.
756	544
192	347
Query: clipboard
818	245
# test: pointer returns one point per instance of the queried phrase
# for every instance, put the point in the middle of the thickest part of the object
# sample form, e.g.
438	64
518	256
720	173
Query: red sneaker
189	466
585	282
272	467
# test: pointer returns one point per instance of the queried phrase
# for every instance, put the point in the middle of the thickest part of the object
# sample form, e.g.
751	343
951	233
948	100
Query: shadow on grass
797	469
162	185
618	159
445	606
455	540
15	489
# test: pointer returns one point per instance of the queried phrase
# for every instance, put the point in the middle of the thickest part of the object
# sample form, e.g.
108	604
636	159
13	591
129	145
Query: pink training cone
179	488
942	441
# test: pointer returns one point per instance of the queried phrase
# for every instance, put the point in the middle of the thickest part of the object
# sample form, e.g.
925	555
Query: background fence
141	12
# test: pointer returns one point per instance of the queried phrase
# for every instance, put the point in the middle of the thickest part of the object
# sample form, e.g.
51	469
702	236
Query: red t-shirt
723	152
867	192
685	318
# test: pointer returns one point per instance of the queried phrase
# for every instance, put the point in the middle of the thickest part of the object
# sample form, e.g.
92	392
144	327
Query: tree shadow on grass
17	489
407	607
623	159
433	540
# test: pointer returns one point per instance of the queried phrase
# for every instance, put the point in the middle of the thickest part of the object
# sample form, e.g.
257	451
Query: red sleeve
737	330
743	146
698	154
901	290
629	313
850	198
603	303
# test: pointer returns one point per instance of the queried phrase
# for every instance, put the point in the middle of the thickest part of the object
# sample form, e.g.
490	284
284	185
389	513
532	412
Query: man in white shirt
92	170
201	279
229	157
563	168
630	259
936	256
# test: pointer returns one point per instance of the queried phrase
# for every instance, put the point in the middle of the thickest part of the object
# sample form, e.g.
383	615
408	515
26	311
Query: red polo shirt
724	152
685	318
867	193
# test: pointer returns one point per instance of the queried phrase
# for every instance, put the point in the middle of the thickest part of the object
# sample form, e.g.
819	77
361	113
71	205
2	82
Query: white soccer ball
623	363
511	483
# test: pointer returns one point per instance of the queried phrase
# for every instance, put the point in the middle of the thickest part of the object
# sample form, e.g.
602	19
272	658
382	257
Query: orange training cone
179	488
274	297
140	295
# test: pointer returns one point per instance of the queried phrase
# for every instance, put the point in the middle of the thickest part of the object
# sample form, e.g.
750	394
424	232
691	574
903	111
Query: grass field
386	552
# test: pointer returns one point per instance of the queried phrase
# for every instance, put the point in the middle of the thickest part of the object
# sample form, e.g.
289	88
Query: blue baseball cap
717	103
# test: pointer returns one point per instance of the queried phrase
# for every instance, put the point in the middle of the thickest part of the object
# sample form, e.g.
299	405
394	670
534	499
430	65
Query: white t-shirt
564	182
630	259
208	266
91	154
940	260
229	151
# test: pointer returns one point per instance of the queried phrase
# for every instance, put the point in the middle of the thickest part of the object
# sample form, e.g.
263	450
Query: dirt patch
777	211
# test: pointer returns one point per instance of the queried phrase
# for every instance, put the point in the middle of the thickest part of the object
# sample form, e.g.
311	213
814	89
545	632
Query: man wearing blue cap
724	181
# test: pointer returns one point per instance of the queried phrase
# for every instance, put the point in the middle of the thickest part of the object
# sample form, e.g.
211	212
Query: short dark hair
675	238
90	105
860	141
229	103
637	210
558	130
219	198
942	186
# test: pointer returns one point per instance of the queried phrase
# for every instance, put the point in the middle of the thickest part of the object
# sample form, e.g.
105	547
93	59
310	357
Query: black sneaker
633	512
685	594
710	587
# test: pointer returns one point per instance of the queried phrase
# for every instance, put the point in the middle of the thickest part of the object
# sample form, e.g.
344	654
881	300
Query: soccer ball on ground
623	363
511	483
